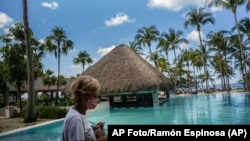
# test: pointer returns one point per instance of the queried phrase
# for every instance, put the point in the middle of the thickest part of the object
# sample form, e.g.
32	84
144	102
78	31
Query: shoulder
73	115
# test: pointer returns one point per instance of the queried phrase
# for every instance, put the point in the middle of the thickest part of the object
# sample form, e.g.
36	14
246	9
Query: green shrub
66	101
51	112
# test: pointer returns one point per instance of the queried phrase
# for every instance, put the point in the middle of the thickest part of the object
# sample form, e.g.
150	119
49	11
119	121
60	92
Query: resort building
129	80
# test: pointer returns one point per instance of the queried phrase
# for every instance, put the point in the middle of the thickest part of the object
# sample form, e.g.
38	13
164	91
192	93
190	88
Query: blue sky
97	26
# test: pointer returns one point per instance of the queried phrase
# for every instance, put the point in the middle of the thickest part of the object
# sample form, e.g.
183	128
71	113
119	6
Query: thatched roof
123	70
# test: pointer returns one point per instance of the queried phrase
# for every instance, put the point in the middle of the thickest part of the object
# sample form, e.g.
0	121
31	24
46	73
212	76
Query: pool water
210	109
193	109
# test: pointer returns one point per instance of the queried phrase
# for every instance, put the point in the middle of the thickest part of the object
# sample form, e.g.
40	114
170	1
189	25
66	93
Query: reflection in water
236	100
209	109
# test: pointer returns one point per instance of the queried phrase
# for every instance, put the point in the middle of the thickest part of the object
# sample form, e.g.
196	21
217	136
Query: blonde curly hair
84	85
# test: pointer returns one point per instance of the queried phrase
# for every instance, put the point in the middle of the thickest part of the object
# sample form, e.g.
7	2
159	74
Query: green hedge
51	112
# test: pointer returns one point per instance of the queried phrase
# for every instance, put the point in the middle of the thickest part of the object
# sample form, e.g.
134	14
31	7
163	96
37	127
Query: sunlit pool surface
193	109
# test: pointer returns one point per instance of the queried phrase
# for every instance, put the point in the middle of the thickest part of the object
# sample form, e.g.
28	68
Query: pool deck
16	123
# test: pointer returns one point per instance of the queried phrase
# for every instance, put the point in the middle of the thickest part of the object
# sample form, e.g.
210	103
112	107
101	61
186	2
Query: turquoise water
193	109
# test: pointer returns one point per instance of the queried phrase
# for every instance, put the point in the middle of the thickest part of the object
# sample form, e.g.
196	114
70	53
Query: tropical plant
173	40
163	46
13	56
197	18
59	44
136	47
163	64
145	36
49	80
233	5
244	27
83	58
155	56
3	84
218	43
235	53
248	5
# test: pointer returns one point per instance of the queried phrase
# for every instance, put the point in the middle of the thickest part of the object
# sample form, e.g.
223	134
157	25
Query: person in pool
76	127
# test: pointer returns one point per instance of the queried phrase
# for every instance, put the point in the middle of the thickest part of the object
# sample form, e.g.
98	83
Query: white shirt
76	127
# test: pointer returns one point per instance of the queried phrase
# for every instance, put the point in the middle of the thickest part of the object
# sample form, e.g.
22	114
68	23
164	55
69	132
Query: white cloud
119	19
215	9
73	50
183	15
6	30
52	5
104	51
194	36
184	46
75	66
42	40
5	20
176	5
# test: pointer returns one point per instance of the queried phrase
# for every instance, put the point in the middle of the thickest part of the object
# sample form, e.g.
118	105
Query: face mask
92	103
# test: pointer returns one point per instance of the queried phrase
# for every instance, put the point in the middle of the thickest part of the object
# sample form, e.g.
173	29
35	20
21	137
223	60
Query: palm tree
163	46
155	56
225	71
180	80
173	39
198	18
235	53
163	64
47	78
135	46
30	115
83	58
248	5
218	43
198	63
195	56
210	78
145	36
63	80
244	27
187	57
232	5
59	44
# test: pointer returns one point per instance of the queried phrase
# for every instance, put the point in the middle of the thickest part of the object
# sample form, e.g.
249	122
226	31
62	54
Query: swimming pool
193	109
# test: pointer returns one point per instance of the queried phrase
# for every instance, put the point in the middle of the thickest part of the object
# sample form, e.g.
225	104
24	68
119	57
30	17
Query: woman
76	127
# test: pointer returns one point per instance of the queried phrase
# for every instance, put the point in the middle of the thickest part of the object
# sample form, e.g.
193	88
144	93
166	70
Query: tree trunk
203	59
30	115
19	98
58	74
175	73
244	74
6	98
